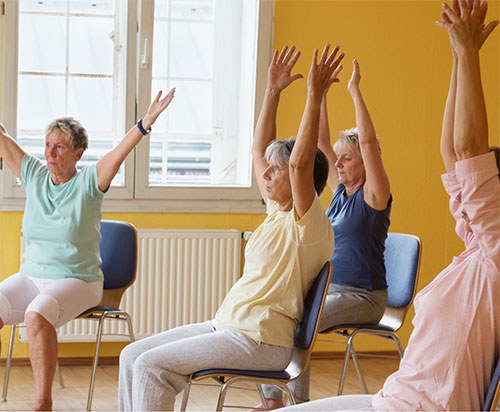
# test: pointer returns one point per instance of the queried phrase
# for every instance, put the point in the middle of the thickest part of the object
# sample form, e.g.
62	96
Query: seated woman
61	276
452	351
359	214
255	326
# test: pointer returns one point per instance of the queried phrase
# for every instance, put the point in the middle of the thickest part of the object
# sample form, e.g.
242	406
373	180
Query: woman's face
349	164
60	155
278	187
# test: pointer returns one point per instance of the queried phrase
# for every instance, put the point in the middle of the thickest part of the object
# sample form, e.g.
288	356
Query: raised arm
468	123
10	151
377	189
108	166
301	166
447	148
279	77
467	31
324	143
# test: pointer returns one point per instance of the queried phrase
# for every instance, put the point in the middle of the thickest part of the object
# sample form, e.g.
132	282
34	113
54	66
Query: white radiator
182	277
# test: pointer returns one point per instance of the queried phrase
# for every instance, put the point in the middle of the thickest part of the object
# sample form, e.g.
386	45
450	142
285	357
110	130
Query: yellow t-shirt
282	258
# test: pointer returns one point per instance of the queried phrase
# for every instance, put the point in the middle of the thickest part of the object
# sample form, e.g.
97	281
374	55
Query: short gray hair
72	129
350	137
279	151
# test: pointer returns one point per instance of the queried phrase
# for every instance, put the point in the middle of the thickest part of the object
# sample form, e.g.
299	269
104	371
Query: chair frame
391	321
107	309
295	369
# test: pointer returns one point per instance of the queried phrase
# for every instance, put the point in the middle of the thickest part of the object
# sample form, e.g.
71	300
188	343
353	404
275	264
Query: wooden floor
324	381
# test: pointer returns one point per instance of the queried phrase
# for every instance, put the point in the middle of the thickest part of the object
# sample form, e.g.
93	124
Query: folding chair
304	341
119	259
402	262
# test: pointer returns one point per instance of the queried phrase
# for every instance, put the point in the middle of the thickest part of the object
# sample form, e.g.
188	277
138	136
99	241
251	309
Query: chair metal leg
59	375
96	360
222	397
398	345
344	367
185	397
9	361
262	396
358	370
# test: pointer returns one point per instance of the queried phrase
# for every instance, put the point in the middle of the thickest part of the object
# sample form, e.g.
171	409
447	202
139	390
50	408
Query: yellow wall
405	64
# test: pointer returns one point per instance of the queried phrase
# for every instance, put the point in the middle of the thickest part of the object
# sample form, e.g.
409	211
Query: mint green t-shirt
61	223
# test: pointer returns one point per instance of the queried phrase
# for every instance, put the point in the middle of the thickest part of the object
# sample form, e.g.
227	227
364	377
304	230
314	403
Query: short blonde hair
72	129
350	137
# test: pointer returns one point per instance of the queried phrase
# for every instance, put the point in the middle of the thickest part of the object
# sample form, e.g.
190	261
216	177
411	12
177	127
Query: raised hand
324	73
355	77
279	74
465	24
156	107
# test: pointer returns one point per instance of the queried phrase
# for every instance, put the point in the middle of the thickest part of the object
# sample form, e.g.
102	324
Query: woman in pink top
455	343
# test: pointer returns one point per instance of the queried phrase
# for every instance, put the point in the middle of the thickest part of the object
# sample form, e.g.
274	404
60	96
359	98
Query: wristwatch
141	128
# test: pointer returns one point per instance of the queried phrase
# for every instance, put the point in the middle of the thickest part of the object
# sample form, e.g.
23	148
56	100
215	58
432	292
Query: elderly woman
60	277
452	351
359	215
255	326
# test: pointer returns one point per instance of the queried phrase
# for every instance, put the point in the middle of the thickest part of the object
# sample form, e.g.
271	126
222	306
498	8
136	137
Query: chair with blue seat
304	341
492	402
118	249
402	262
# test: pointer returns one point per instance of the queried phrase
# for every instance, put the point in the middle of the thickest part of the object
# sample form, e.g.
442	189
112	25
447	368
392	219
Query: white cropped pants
57	300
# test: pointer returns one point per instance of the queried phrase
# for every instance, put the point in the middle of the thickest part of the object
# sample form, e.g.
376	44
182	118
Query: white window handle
144	58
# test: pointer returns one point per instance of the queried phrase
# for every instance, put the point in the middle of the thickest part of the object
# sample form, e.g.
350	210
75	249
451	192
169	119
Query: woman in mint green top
60	276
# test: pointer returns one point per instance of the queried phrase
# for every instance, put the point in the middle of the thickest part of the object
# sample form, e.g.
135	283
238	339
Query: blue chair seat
282	375
370	326
98	309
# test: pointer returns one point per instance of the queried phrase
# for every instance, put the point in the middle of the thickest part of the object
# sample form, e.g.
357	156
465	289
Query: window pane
192	111
191	50
78	74
42	43
43	6
40	100
92	6
91	45
192	9
92	99
160	49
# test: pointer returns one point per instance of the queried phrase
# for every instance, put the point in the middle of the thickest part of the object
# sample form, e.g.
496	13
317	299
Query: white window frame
135	195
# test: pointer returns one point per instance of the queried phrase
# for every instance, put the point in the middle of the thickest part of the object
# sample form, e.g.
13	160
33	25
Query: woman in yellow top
255	325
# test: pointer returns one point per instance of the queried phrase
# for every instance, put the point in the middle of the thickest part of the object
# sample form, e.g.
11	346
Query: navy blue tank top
360	232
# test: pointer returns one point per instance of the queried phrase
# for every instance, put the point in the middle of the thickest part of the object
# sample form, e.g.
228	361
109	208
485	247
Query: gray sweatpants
344	304
154	370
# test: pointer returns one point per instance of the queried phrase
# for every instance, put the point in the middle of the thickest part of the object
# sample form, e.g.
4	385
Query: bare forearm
265	131
109	165
471	125
366	129
304	151
447	140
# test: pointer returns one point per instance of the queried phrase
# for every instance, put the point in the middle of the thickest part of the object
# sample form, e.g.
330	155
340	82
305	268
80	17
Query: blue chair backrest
118	253
402	258
494	386
313	305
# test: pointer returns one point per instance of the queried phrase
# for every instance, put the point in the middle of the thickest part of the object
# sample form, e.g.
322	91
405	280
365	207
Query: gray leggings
344	304
154	370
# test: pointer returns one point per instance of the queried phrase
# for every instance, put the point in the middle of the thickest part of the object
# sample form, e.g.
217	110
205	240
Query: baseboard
76	361
113	360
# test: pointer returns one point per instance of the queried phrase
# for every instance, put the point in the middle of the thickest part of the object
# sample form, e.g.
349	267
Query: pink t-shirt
452	351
